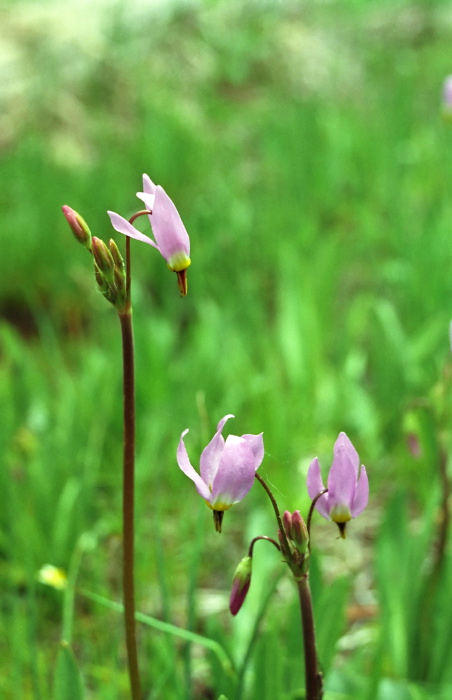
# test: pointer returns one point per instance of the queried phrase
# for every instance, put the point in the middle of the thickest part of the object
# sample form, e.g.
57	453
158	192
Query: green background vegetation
305	147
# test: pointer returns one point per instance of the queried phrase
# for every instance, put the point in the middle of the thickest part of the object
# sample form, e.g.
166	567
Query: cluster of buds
109	270
294	543
171	240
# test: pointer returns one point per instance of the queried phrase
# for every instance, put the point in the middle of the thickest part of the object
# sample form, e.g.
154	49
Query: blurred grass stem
128	506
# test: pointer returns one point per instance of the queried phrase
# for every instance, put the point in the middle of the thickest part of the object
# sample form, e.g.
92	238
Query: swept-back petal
185	465
256	443
148	185
235	475
211	455
148	199
315	485
123	226
169	231
223	421
361	496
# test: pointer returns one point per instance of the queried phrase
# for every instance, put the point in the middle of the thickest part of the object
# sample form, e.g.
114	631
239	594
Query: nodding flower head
348	485
227	468
171	237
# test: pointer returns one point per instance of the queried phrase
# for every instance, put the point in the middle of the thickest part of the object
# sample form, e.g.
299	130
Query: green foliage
68	681
304	147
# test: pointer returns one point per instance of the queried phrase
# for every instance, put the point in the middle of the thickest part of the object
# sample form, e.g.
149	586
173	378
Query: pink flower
171	237
348	486
227	468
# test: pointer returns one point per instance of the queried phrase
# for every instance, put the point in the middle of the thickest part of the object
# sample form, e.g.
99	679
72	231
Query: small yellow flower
51	576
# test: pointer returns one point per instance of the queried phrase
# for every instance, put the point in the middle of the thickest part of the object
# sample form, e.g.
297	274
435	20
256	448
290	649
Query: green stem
313	677
128	508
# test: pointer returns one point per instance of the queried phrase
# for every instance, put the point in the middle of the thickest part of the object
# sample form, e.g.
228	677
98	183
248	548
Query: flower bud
240	585
116	255
78	226
299	531
104	259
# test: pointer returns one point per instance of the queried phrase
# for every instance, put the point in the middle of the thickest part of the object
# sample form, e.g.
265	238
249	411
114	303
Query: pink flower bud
78	226
240	585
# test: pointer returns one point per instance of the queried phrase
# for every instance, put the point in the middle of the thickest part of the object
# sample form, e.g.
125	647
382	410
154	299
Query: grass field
307	151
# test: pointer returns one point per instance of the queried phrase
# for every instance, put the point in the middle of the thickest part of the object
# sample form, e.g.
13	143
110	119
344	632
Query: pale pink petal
344	444
148	185
169	231
315	485
223	421
342	478
361	496
256	443
148	199
185	465
211	455
235	475
123	226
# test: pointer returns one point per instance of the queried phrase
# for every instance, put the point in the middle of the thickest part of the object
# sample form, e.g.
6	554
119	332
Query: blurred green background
307	150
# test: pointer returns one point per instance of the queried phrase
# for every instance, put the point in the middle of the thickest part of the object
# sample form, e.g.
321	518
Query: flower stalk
313	677
128	493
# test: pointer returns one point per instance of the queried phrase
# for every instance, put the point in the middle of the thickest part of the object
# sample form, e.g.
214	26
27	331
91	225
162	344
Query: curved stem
276	509
311	511
142	212
262	537
313	677
128	507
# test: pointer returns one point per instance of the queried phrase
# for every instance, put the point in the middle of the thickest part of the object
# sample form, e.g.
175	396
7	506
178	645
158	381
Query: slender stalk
261	537
276	509
313	677
311	511
128	508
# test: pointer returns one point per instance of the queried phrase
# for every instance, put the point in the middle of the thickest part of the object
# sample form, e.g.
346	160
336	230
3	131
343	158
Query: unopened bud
299	531
287	522
78	225
104	259
102	283
240	585
116	255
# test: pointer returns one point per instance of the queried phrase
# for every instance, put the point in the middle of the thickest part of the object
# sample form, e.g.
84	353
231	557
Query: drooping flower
171	237
227	468
348	485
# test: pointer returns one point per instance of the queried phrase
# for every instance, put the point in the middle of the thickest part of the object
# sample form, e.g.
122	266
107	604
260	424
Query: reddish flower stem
128	508
313	677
